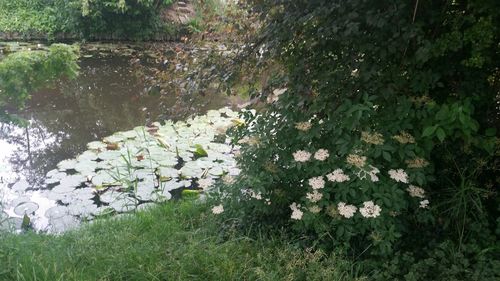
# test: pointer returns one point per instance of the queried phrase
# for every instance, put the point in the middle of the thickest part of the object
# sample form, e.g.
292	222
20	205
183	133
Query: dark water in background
109	95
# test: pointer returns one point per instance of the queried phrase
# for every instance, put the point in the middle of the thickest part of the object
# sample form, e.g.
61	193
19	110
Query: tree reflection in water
109	95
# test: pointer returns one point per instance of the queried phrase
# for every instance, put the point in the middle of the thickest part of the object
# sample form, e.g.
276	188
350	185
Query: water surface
110	94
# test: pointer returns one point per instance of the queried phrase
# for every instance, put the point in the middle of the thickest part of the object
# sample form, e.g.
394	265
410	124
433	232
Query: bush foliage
88	19
386	137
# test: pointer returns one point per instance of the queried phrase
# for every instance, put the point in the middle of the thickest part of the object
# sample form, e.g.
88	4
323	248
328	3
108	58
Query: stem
415	11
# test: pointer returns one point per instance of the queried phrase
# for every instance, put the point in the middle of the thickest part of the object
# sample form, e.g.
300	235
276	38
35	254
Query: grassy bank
176	241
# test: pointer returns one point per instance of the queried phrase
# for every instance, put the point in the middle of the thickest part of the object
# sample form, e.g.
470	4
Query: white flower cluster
301	156
356	160
249	140
228	179
303	126
370	210
424	204
337	176
416	191
399	175
317	182
347	211
253	194
373	138
315	209
296	212
218	209
321	154
315	196
205	183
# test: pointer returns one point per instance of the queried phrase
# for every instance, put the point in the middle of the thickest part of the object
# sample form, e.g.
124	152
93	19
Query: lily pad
96	145
64	223
171	185
86	166
11	224
57	212
73	180
103	178
26	208
67	164
124	204
21	186
109	155
216	171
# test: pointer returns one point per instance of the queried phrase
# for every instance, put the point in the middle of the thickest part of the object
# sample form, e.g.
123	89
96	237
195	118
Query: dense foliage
23	72
385	139
102	19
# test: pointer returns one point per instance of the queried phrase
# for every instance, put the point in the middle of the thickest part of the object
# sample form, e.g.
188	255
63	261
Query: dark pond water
111	94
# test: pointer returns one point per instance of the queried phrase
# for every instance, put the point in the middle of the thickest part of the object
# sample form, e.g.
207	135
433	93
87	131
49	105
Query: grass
175	241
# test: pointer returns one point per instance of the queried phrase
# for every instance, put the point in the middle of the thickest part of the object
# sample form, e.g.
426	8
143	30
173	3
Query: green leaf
387	156
490	132
441	135
443	113
200	152
340	231
429	131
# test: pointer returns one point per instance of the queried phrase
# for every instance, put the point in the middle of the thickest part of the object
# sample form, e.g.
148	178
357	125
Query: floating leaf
26	208
200	152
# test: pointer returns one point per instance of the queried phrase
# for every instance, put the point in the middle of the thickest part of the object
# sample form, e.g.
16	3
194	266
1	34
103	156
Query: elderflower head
399	175
417	163
218	209
404	138
347	211
315	209
373	173
228	179
373	138
268	201
296	212
416	191
424	204
249	140
321	154
356	160
337	176
315	196
205	183
317	182
370	210
301	156
303	126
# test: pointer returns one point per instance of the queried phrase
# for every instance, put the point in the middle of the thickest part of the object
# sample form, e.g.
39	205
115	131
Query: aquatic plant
133	169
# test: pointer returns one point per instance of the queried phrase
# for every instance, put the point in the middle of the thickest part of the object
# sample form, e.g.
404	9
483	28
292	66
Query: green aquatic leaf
200	152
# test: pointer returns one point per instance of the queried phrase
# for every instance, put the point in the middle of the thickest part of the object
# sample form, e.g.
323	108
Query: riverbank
174	241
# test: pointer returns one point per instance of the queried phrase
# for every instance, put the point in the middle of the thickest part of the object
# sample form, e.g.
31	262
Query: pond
112	93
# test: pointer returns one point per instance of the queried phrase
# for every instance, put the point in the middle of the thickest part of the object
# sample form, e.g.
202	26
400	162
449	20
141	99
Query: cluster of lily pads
133	169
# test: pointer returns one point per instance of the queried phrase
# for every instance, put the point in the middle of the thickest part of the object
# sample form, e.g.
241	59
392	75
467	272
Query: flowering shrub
386	128
356	186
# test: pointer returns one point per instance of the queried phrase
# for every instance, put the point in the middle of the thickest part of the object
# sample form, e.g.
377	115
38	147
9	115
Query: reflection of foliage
107	96
23	72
